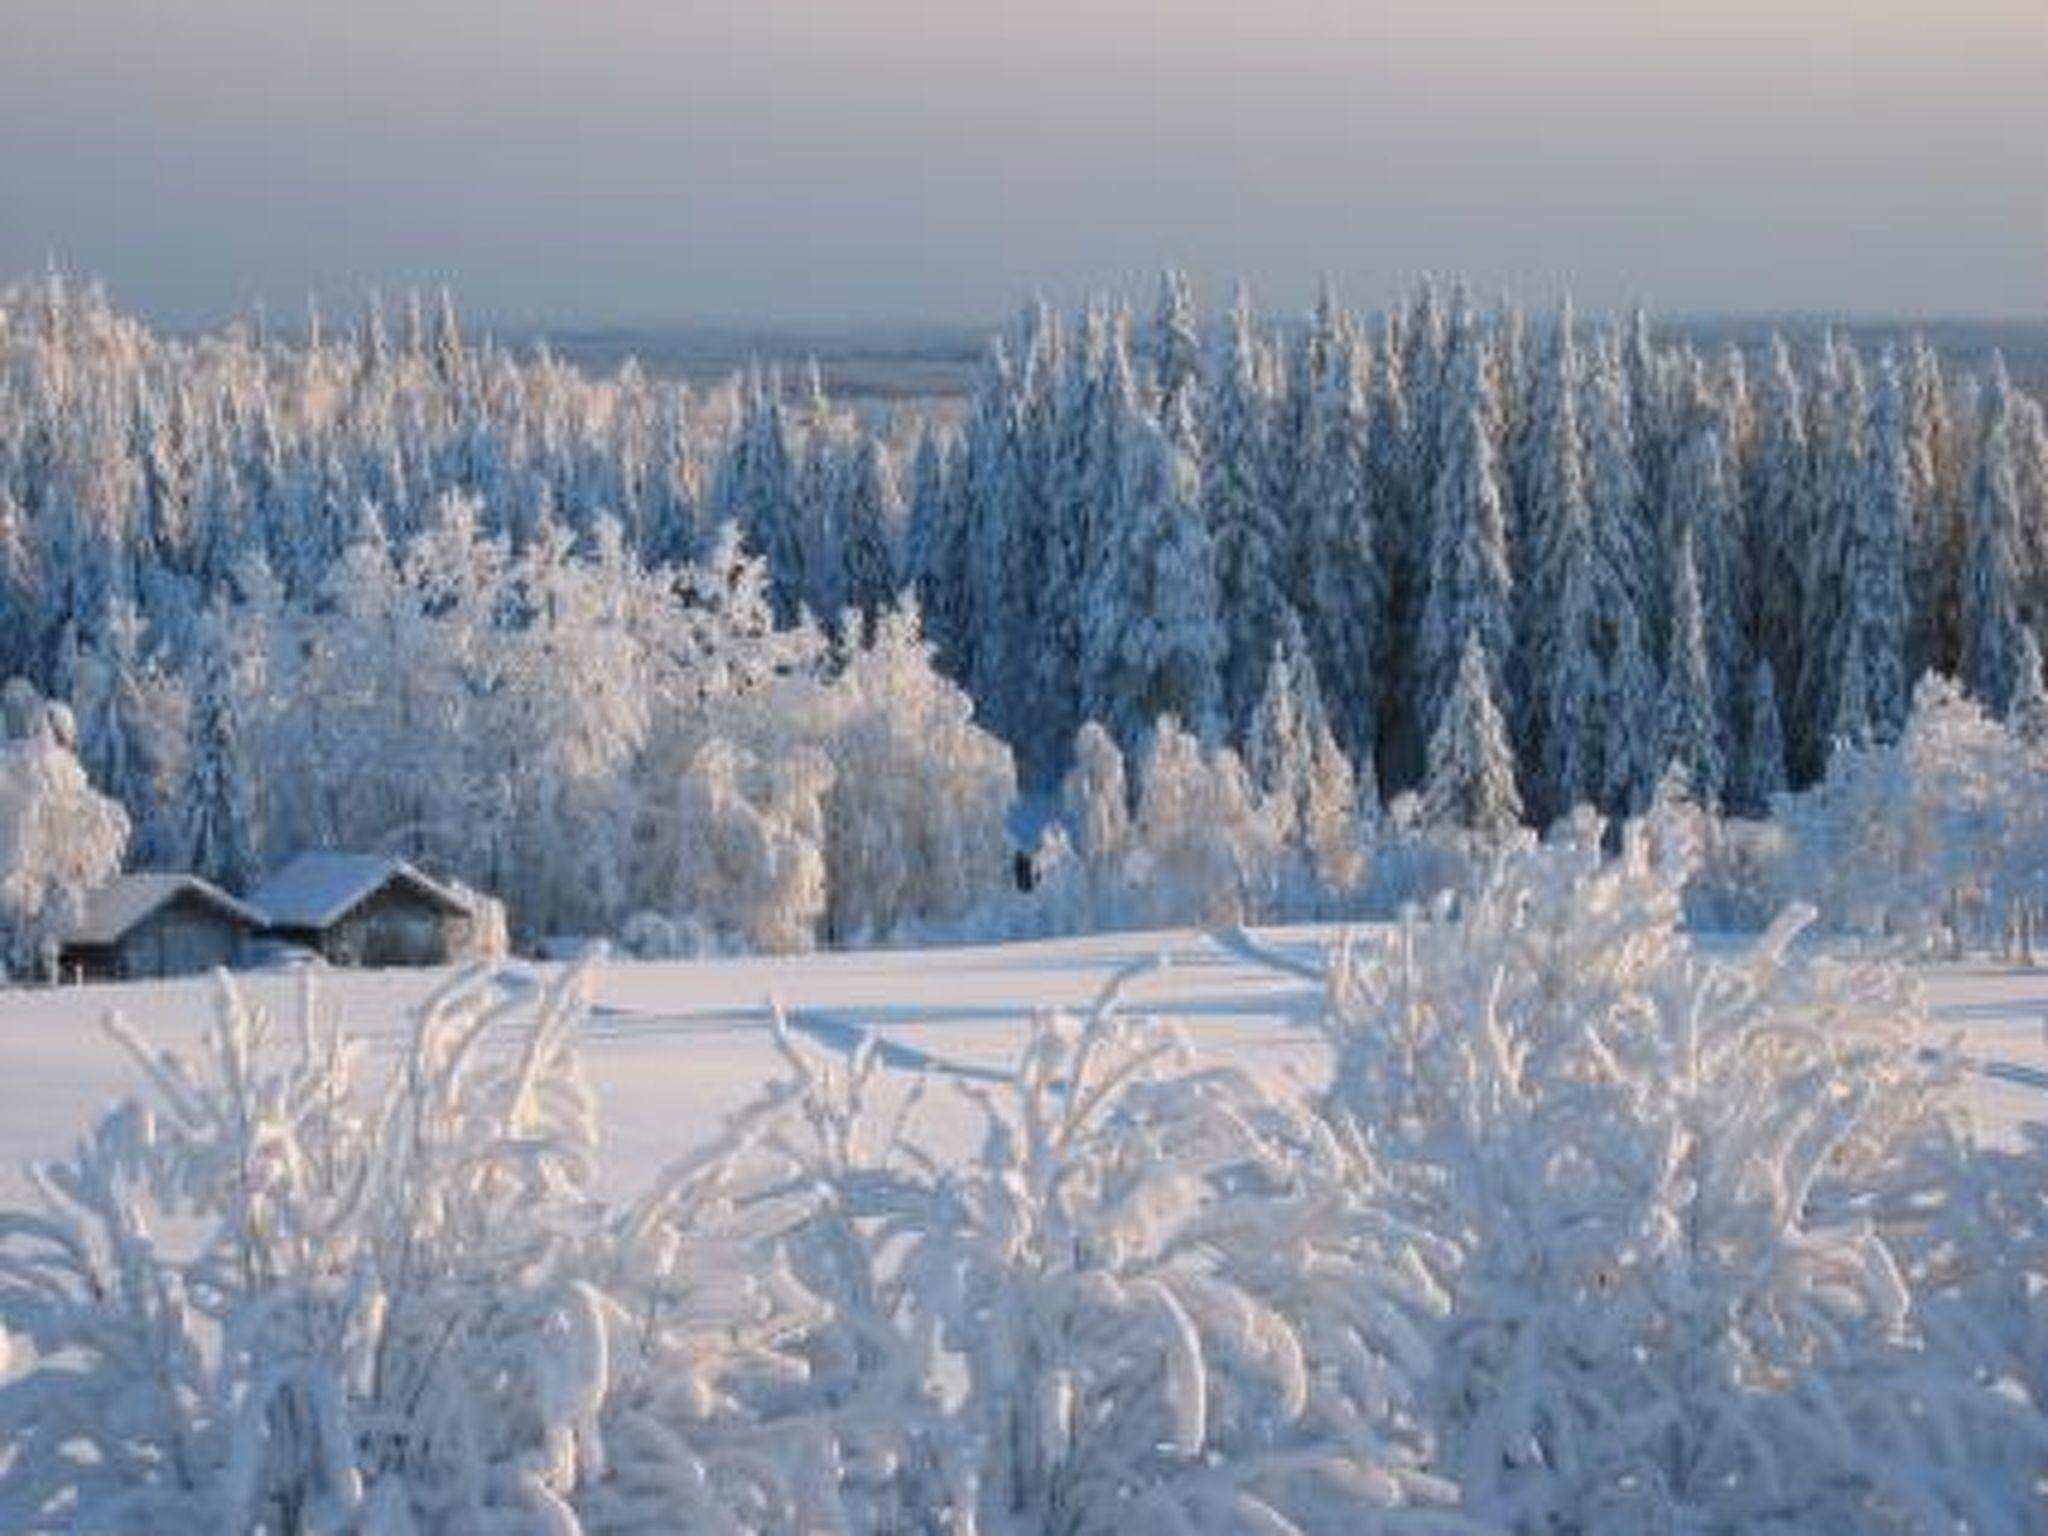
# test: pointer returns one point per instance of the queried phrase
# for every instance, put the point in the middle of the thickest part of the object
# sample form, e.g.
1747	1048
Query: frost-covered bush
1715	1222
1938	839
287	1294
751	869
59	837
914	826
1159	1300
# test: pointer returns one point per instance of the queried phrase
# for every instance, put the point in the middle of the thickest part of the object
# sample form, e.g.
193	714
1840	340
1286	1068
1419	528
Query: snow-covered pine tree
1690	737
1471	781
1778	490
865	494
1175	342
2027	715
1563	684
1338	581
221	838
1279	747
1935	544
1239	486
1701	499
1467	585
1874	610
935	549
1762	773
1990	611
755	489
1153	643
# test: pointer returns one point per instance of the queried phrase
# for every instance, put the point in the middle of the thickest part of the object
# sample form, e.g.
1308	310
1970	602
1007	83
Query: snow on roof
317	889
116	908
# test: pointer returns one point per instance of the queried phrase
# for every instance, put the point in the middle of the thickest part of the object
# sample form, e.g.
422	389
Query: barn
366	909
145	925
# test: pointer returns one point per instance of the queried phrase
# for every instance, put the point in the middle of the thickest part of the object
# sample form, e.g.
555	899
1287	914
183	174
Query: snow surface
672	1048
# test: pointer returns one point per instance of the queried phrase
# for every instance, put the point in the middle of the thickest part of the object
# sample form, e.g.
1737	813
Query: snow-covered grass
672	1047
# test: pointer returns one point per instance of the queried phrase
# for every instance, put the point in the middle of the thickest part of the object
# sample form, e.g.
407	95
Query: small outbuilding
366	909
147	925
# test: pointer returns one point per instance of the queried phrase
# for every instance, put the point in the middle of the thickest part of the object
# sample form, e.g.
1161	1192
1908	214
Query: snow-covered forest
736	668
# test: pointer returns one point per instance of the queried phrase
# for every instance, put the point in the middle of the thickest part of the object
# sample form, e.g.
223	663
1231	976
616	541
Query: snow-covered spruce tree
1174	344
1875	519
1566	609
2027	715
1778	492
864	509
1761	774
934	552
1467	584
59	837
1338	583
1240	504
1306	784
1990	614
755	489
1094	421
220	838
1153	642
1703	508
1471	781
1690	729
1714	1218
131	723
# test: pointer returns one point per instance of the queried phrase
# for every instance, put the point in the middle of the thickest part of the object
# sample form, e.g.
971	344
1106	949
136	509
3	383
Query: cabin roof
318	888
124	903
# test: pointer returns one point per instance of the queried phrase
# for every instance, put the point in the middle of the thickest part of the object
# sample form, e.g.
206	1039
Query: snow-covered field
671	1049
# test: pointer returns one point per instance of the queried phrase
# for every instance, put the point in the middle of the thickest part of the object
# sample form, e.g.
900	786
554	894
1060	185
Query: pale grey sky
595	161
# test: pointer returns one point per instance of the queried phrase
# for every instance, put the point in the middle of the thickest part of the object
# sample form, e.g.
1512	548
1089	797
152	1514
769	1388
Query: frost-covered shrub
276	1298
751	869
1176	1306
1936	839
1715	1222
59	837
282	1296
914	826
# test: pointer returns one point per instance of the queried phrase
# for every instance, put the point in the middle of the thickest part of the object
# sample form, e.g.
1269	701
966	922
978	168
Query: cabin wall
183	938
396	927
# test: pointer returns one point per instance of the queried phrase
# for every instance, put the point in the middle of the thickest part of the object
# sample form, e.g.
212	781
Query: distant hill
879	365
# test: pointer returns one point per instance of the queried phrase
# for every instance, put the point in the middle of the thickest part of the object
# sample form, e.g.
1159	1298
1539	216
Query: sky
627	162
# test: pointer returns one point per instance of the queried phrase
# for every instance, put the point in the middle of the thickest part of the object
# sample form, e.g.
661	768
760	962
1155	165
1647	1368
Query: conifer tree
866	498
1779	518
1238	498
1690	738
1763	747
220	840
1175	343
1990	615
1875	617
2028	714
1153	641
1338	584
1471	779
1467	584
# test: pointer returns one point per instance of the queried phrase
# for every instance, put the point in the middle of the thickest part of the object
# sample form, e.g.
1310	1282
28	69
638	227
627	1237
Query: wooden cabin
365	909
147	925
